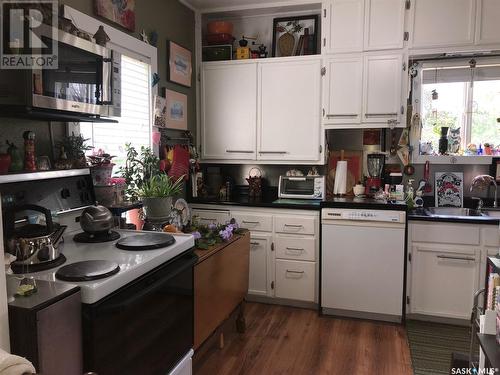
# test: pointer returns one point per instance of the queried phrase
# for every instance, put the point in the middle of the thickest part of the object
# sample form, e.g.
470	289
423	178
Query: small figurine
144	36
100	37
454	141
16	157
262	51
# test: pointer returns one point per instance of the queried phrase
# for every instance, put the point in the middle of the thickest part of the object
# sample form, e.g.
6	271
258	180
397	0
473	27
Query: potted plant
139	167
156	194
72	148
101	167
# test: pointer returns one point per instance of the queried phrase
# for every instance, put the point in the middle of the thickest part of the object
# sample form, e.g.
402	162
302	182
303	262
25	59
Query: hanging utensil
428	186
393	150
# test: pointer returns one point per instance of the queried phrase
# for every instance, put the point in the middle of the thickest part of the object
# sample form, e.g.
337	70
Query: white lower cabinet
447	266
284	250
444	281
295	280
260	275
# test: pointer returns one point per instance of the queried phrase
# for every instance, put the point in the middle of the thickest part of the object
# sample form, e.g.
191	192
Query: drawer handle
273	152
251	222
455	258
240	151
380	114
294	249
296	274
293	226
339	115
254	243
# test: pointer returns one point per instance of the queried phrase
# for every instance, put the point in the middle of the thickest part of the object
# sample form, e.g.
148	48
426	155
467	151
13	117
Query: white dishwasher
362	263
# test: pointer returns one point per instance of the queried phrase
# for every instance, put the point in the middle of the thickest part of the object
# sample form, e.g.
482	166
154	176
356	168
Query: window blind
134	125
463	73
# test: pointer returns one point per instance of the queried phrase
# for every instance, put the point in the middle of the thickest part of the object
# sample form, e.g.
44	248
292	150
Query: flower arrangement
212	234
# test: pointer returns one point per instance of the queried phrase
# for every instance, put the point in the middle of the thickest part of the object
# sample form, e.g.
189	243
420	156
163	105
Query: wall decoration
179	64
176	111
449	188
120	12
295	36
160	111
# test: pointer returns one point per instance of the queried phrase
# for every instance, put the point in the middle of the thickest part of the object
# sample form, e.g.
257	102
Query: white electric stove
132	264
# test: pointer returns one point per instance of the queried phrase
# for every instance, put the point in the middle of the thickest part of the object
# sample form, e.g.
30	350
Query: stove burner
146	241
18	268
85	237
87	270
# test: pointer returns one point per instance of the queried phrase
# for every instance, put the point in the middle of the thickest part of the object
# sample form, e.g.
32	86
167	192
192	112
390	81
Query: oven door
144	328
296	187
81	83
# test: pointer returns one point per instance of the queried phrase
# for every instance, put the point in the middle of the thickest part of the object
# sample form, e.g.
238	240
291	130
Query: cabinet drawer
491	236
206	217
295	224
460	234
294	247
295	280
259	222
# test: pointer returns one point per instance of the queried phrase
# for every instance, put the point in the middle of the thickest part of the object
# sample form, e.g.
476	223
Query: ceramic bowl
358	190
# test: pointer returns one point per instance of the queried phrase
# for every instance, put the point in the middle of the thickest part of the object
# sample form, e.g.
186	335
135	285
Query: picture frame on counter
176	110
180	67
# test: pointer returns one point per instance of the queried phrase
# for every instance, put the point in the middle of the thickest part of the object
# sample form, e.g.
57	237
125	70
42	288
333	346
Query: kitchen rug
432	345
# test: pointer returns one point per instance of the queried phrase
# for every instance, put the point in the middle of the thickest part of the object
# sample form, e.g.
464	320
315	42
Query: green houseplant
156	194
139	167
74	148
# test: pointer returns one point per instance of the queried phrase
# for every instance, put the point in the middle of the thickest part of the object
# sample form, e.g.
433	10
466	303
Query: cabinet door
289	110
384	24
260	274
382	92
442	23
343	85
444	281
344	22
487	23
229	110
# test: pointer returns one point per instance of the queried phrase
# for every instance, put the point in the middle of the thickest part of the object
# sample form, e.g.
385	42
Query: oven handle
151	288
105	77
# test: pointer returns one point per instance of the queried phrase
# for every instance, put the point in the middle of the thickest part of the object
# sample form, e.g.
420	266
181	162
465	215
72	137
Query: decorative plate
183	210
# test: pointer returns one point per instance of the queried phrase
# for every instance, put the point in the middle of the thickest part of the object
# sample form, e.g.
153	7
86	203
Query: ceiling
220	5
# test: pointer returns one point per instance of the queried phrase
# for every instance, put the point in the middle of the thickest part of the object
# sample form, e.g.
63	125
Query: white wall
4	317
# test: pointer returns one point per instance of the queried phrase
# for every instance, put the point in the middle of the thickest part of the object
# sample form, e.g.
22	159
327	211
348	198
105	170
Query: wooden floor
290	341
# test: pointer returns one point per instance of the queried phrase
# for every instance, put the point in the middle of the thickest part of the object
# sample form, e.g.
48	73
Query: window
134	125
463	96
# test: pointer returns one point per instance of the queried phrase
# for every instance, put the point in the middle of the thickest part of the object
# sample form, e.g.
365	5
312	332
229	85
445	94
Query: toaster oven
302	187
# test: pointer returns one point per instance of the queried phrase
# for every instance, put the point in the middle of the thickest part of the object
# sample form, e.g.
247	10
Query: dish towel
180	163
14	365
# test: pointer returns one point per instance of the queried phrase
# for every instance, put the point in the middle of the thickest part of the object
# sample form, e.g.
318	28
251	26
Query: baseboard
438	319
282	302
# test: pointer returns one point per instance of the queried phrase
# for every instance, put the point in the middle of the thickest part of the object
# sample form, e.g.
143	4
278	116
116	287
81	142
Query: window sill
452	159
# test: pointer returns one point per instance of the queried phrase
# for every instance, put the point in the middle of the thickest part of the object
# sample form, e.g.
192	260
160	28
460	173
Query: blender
375	166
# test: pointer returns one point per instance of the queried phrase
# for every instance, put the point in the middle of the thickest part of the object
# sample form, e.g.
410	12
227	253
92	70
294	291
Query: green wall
172	21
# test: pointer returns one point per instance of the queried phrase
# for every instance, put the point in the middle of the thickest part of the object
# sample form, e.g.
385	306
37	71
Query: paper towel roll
340	185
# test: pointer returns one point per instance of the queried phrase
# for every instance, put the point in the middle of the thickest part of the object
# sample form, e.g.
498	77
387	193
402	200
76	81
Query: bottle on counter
29	151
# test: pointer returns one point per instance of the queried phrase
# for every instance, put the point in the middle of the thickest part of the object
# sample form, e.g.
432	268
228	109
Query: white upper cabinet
382	88
229	111
488	22
384	24
343	25
289	109
443	23
342	90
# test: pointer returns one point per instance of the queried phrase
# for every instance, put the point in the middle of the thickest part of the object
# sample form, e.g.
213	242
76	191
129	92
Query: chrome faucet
482	182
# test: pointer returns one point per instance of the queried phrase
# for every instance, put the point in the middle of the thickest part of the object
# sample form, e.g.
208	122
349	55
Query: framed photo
160	111
295	36
449	189
176	111
120	12
179	64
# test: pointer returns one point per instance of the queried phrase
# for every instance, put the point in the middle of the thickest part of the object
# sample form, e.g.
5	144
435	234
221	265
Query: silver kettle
96	219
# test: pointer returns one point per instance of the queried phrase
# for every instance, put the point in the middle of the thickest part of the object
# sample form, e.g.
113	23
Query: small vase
286	44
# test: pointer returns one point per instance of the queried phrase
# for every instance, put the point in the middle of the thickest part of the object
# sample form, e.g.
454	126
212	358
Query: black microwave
86	82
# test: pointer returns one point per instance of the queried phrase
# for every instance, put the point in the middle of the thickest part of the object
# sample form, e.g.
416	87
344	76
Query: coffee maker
375	167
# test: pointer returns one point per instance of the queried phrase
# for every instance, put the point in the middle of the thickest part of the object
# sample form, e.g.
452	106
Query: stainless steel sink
491	212
453	212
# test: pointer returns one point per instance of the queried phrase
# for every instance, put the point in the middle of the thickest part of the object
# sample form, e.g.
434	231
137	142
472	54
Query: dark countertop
47	293
491	349
268	202
419	215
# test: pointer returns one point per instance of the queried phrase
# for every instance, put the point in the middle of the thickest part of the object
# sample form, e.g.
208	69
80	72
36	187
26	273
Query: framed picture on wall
179	64
176	111
295	36
120	12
